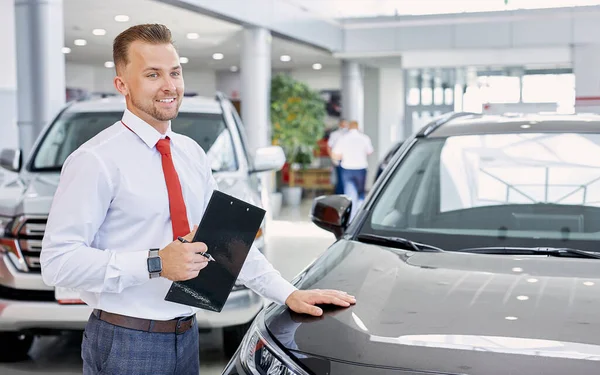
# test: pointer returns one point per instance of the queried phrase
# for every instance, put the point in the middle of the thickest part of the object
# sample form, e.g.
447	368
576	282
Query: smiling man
143	57
123	199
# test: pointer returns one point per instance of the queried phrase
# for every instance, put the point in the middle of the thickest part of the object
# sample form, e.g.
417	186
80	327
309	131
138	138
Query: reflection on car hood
449	313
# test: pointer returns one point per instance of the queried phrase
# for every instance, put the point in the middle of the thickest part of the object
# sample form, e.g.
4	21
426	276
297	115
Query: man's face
153	81
344	124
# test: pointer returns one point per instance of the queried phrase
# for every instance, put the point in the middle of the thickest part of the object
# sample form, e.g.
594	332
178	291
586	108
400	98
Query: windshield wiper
550	251
397	242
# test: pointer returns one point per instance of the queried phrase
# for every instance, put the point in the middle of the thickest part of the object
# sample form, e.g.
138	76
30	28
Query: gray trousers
111	350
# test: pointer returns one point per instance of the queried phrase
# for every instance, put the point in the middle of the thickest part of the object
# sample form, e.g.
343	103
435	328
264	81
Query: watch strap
153	253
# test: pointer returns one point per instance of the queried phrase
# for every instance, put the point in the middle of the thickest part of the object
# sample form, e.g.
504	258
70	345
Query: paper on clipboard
228	229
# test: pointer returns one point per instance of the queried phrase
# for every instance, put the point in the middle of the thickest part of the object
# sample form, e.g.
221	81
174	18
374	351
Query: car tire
232	338
14	346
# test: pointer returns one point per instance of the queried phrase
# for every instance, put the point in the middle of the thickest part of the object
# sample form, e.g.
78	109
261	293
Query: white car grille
29	231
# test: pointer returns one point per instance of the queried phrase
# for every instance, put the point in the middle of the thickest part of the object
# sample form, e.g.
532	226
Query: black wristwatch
154	263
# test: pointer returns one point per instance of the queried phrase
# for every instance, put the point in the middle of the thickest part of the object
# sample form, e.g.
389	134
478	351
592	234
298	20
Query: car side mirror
332	213
268	159
11	159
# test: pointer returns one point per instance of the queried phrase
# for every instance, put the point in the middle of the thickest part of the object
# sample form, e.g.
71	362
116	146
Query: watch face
154	265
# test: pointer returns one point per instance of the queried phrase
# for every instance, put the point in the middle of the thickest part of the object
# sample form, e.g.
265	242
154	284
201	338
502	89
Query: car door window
407	193
212	134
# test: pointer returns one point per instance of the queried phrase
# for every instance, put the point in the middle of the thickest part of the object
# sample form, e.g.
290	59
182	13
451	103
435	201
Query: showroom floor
293	242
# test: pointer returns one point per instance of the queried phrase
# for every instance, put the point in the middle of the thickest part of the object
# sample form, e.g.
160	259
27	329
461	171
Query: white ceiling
82	16
337	9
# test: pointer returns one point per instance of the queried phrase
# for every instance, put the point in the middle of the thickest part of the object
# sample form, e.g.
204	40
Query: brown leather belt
178	325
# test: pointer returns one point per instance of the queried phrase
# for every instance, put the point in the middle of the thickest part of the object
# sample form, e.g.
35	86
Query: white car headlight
8	245
5	225
260	355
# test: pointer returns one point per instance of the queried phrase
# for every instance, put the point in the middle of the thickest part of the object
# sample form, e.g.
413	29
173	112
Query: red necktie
179	220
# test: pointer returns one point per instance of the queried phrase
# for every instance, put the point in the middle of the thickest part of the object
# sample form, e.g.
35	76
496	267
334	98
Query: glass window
550	88
413	96
467	188
448	96
416	121
242	133
426	96
211	133
426	89
520	168
458	98
71	130
426	117
499	89
472	100
438	96
540	88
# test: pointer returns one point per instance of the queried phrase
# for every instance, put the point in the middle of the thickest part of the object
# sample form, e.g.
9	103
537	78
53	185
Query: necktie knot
164	146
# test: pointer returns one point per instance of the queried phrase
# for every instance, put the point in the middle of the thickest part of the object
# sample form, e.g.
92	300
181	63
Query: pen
210	257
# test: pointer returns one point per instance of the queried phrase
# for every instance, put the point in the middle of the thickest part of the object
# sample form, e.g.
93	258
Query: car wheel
232	338
14	346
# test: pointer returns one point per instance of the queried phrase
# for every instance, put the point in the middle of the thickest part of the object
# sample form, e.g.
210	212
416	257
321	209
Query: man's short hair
147	33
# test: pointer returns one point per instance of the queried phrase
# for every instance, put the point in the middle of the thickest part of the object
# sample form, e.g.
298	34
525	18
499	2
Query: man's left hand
304	301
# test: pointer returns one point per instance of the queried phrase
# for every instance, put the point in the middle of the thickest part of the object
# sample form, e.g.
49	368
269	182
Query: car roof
479	124
196	104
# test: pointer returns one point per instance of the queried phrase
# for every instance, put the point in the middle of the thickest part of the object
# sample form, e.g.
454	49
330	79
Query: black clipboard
228	228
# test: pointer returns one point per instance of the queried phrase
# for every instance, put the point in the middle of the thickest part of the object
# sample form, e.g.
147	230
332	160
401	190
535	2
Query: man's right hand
181	261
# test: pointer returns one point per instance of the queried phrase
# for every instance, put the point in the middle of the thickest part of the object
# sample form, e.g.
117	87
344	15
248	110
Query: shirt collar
145	131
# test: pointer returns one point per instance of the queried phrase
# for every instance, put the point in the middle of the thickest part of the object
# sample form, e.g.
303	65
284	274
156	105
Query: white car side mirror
268	159
11	160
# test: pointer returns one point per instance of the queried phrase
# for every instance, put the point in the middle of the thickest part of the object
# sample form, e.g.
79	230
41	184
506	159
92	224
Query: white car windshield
71	130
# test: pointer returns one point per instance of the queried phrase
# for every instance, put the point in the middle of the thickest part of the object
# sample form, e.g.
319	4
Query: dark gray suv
476	252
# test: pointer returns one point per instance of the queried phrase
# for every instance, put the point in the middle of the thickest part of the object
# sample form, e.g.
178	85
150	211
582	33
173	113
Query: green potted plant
297	118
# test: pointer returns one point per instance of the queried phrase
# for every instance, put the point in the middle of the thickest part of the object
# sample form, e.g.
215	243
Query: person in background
352	150
333	138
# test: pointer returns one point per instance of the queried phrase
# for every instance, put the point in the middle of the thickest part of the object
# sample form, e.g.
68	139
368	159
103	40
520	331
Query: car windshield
71	130
528	190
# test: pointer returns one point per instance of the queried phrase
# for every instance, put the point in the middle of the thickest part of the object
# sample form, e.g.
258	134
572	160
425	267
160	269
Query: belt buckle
178	328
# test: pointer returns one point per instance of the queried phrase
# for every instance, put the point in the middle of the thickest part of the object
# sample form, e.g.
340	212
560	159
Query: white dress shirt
335	136
111	206
354	147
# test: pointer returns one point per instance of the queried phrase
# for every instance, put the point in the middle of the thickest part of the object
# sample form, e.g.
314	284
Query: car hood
450	313
28	193
32	193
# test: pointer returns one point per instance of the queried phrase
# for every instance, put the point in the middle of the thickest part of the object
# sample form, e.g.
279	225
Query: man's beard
154	112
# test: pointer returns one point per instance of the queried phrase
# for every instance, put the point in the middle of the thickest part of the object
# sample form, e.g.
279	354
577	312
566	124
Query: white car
28	306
